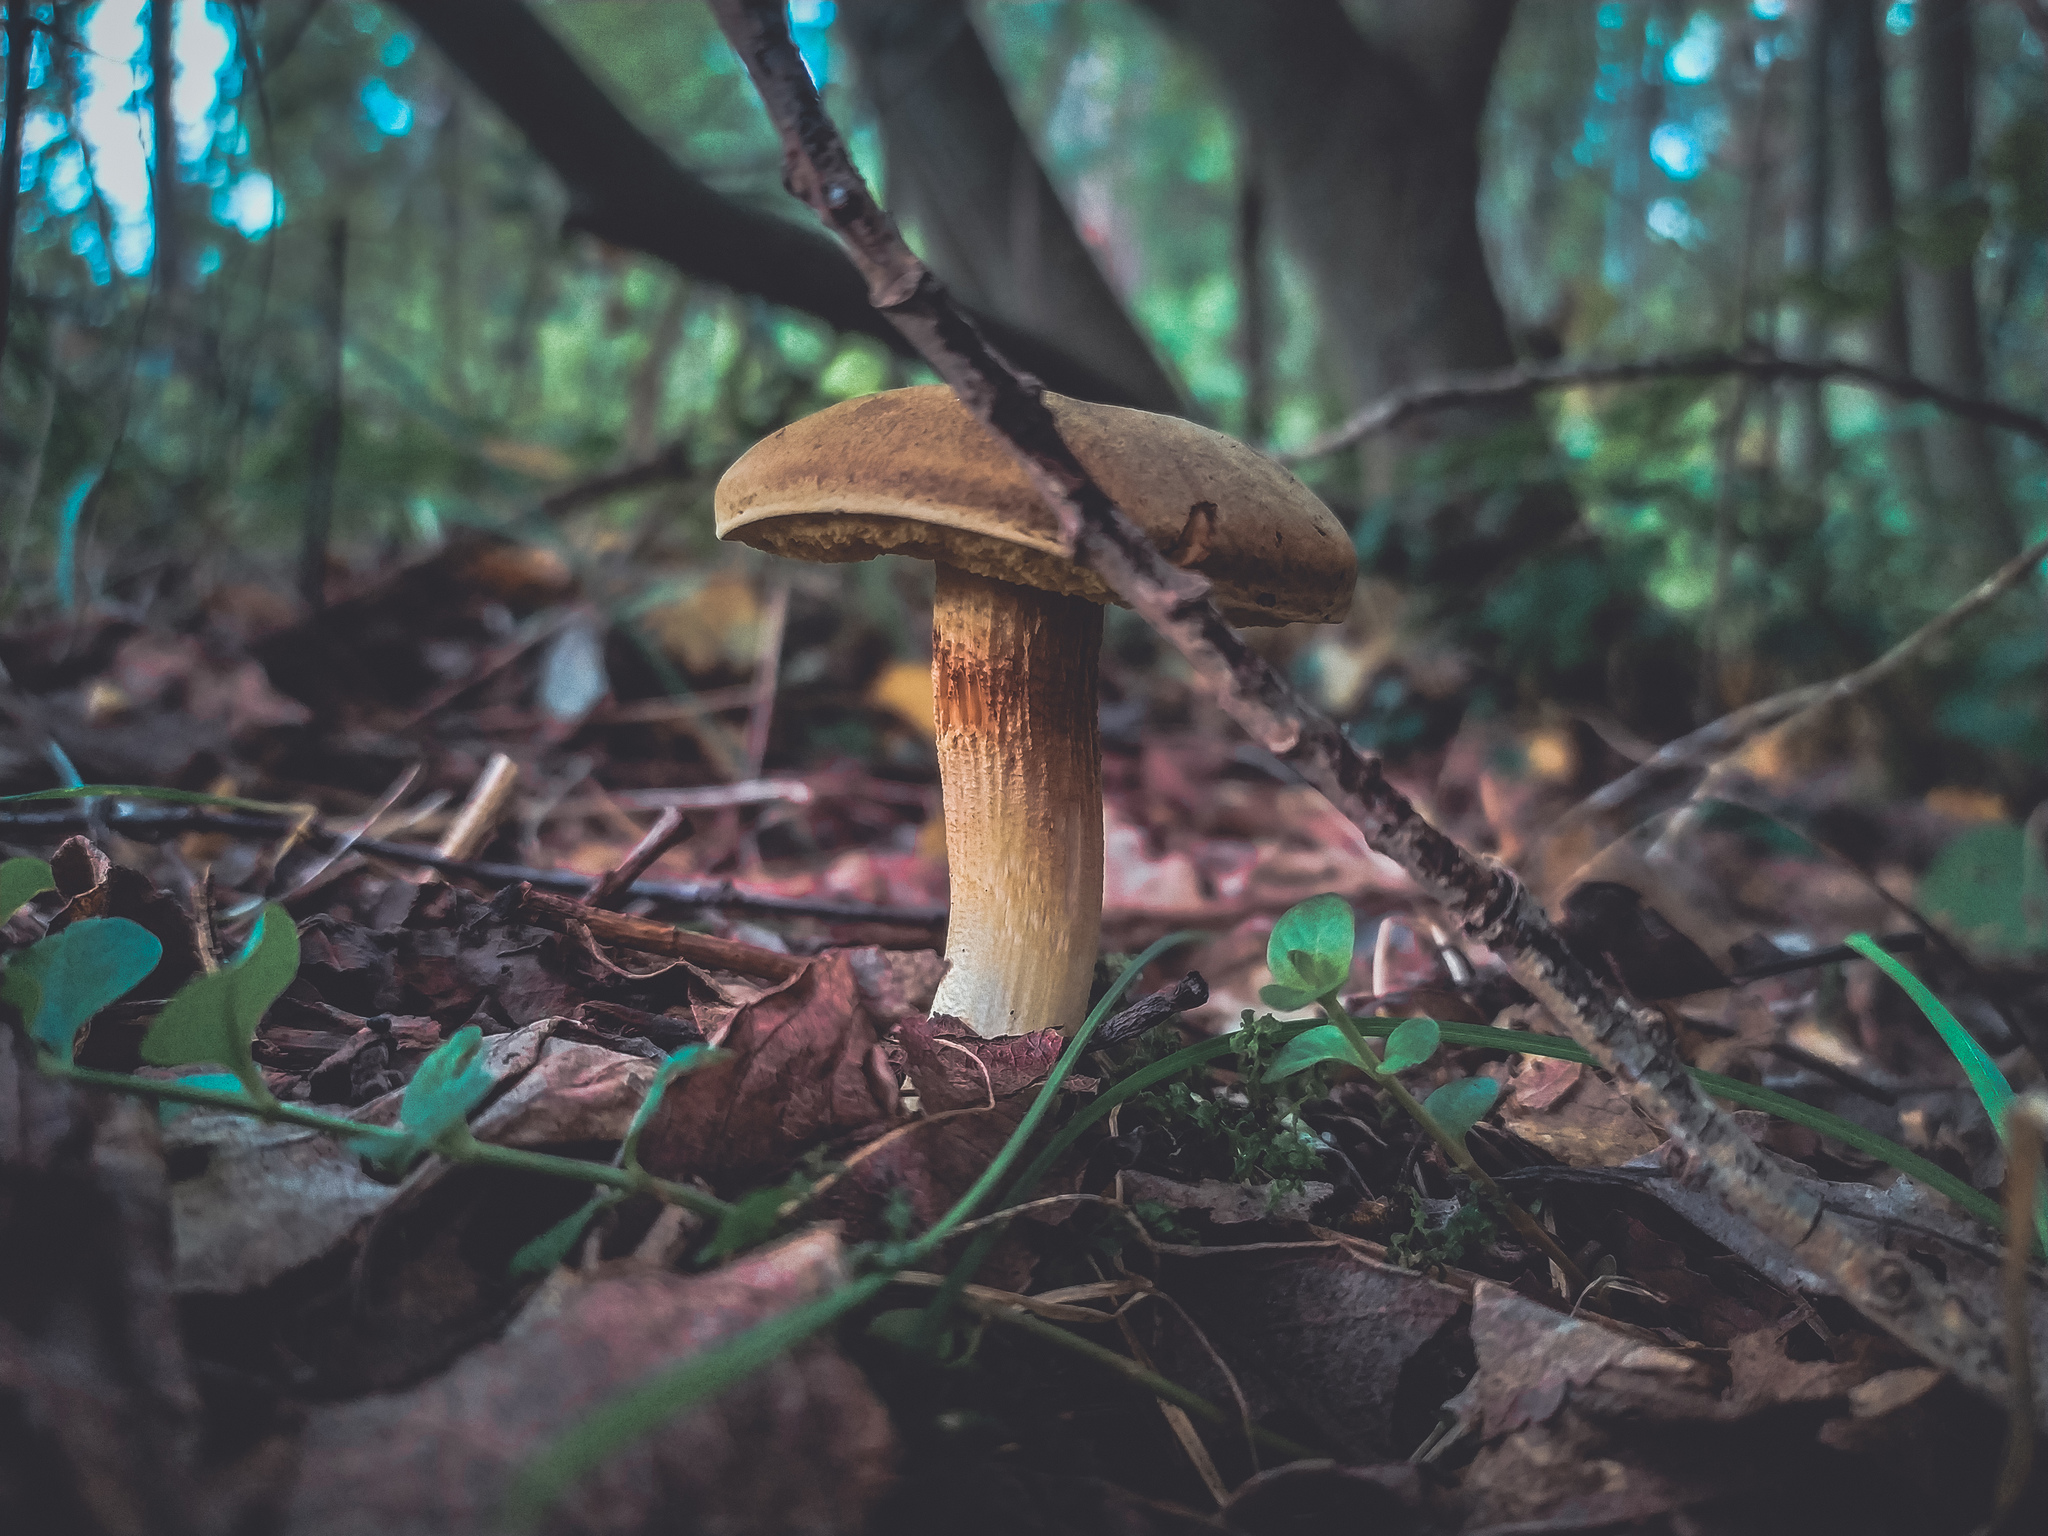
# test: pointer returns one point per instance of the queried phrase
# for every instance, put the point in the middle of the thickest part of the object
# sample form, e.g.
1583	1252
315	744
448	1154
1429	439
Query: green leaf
447	1086
688	1059
157	792
60	981
1992	1090
543	1253
214	1017
1459	1106
752	1219
169	1110
1325	1042
19	880
1285	999
1310	950
1977	888
1412	1043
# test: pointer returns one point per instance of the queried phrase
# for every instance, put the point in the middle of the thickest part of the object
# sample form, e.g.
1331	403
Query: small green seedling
20	880
213	1018
61	981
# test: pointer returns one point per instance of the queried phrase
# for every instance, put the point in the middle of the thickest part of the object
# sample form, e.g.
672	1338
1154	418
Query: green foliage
213	1018
1425	1247
1985	1080
1411	1044
1986	887
1309	952
1326	1042
226	1082
1460	1105
21	879
446	1087
688	1059
1249	1134
62	980
543	1253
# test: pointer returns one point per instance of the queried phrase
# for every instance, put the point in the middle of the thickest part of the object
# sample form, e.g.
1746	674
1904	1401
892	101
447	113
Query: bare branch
1507	383
1698	750
628	191
1486	900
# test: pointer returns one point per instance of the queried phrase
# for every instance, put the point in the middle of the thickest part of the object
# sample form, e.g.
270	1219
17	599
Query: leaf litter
208	1313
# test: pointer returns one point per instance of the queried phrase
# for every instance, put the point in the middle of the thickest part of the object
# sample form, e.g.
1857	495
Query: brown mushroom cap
911	472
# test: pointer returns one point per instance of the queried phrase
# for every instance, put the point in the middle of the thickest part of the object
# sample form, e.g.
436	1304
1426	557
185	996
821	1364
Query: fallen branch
652	938
1485	899
144	824
1391	411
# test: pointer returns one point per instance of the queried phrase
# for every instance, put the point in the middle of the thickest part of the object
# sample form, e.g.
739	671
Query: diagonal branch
1486	900
1668	774
1385	414
626	189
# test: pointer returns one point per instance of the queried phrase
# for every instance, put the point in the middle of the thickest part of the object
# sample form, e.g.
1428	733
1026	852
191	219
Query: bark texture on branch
1488	903
626	190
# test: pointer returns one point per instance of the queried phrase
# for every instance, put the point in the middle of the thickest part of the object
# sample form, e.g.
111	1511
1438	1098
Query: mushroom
1016	629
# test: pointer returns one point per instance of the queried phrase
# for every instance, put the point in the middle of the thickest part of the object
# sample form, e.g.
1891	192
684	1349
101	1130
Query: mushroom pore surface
1020	763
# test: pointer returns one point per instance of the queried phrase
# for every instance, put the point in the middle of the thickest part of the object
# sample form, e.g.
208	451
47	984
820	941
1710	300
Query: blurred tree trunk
1254	345
961	170
1806	247
1947	344
1366	138
168	259
1866	229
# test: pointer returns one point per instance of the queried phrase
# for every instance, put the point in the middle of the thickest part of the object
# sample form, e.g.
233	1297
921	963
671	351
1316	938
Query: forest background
421	266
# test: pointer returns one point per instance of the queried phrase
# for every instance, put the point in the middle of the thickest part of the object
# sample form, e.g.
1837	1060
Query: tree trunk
962	172
1865	225
1947	343
1367	148
168	259
1806	247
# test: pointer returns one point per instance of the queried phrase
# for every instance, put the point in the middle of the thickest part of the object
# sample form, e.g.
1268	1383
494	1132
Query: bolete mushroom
1016	629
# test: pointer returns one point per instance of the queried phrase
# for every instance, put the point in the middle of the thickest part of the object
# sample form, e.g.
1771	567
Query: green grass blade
1992	1090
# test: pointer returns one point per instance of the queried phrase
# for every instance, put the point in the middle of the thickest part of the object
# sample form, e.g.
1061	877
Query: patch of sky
1612	15
810	23
1769	10
1898	18
1678	151
1670	219
250	204
114	121
1693	57
86	245
397	49
389	112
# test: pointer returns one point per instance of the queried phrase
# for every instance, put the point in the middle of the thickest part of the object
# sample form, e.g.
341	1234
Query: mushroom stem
1020	763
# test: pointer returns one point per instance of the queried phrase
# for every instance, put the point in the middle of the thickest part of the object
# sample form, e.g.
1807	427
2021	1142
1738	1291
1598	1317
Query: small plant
1309	955
1426	1247
1252	1129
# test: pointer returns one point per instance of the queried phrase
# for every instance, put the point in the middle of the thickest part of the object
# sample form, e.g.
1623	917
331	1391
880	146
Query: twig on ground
1385	414
1489	904
1718	739
652	938
614	886
1191	991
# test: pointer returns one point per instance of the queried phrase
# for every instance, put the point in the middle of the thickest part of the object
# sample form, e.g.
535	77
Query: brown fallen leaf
800	1445
1315	1332
804	1068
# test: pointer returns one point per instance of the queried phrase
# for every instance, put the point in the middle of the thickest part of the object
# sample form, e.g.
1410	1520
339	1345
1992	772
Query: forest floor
216	1322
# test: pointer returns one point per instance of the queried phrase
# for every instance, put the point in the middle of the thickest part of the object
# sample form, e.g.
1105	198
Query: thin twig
132	821
1393	410
1717	739
615	884
652	938
1489	904
668	464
